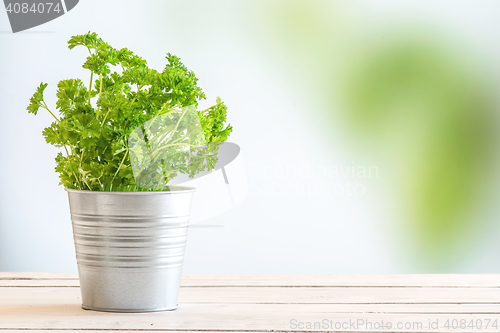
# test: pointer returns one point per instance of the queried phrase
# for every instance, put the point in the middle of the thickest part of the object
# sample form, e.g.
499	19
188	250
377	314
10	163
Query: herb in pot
127	94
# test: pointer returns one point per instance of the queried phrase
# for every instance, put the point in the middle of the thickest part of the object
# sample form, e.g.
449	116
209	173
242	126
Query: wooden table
45	302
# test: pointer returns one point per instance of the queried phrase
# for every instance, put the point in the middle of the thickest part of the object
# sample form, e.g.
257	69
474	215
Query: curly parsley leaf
37	99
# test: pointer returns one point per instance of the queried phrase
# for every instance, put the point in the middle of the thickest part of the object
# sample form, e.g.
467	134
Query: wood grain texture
293	295
200	280
37	276
48	302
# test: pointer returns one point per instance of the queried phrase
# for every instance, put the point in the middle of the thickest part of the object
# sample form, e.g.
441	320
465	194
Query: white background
271	231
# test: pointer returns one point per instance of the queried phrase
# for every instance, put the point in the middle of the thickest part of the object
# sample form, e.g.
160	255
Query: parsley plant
96	154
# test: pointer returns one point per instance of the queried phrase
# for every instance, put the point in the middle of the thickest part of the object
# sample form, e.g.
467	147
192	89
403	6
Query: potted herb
130	235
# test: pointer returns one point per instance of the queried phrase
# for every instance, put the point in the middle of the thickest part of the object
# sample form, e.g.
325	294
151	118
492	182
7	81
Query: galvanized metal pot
130	247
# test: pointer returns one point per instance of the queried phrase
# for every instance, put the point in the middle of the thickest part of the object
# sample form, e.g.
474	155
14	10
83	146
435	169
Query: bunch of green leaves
169	144
126	93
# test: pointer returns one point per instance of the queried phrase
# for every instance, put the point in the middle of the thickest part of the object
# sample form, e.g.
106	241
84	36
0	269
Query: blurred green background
410	93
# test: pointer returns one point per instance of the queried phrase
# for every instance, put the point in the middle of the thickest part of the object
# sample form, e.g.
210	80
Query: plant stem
178	122
90	84
85	182
67	154
173	132
81	157
47	108
97	112
120	166
106	116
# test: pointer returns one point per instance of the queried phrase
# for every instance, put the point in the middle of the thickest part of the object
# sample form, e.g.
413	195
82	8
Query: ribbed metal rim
175	190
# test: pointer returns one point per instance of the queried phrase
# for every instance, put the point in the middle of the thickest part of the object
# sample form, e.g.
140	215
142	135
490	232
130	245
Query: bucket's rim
171	190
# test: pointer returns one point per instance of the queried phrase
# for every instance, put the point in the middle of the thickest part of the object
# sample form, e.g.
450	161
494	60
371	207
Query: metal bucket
130	247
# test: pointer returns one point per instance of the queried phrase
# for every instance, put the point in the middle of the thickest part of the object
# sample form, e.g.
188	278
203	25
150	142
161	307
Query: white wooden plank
209	280
273	295
200	308
40	283
340	295
225	317
36	275
304	295
411	280
232	308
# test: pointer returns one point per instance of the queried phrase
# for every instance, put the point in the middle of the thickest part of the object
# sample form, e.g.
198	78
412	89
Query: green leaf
37	99
70	94
90	40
